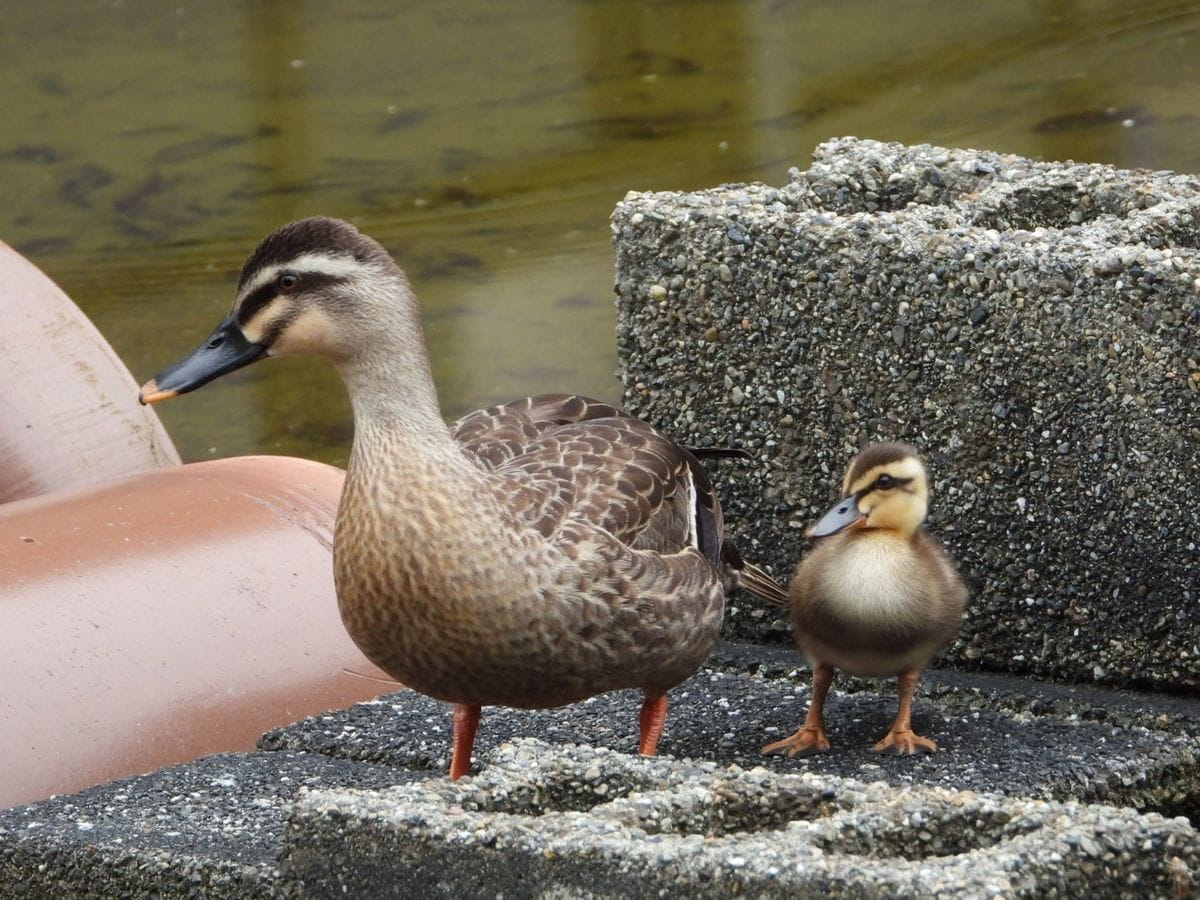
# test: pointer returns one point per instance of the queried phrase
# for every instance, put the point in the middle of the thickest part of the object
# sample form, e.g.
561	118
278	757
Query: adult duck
531	554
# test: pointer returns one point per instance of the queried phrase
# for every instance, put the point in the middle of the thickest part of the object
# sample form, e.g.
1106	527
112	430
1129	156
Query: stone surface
1031	327
995	735
356	801
211	828
580	822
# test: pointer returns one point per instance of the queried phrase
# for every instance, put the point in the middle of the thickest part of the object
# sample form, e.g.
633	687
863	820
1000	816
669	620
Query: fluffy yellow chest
871	578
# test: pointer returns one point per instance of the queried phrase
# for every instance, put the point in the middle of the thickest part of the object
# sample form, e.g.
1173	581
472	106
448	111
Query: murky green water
146	147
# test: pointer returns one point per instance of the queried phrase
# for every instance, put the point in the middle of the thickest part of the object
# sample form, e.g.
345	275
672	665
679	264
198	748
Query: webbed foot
904	743
808	739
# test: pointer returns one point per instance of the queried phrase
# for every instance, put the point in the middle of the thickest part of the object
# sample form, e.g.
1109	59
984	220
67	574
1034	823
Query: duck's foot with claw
805	741
904	743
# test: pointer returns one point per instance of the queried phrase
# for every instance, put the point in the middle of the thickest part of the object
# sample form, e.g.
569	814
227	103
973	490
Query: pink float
69	414
150	612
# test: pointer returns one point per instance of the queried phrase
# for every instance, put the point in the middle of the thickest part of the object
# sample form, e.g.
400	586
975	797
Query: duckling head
313	287
885	488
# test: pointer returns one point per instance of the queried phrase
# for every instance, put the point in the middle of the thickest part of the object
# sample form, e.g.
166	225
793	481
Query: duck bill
225	350
845	514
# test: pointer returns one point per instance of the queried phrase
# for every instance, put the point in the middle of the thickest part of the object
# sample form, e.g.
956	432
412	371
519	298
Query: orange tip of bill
150	393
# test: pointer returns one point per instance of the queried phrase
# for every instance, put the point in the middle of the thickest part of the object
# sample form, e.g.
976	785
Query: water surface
146	147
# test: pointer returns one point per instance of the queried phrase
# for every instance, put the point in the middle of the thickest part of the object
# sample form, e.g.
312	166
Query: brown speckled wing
571	459
497	434
620	507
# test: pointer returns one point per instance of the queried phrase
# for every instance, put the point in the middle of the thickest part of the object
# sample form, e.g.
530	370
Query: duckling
877	596
530	555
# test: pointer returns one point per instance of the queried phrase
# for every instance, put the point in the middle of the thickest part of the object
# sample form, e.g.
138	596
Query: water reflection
147	148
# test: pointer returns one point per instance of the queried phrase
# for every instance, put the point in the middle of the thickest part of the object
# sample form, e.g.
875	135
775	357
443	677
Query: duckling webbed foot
901	739
904	743
809	737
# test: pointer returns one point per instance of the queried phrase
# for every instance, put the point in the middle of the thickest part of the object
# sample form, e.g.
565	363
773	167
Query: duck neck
393	394
384	364
406	472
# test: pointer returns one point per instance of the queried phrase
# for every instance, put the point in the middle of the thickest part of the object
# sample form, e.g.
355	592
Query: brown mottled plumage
531	555
876	596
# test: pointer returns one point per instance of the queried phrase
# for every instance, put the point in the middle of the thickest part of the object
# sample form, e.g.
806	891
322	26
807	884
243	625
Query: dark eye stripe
261	296
256	301
886	482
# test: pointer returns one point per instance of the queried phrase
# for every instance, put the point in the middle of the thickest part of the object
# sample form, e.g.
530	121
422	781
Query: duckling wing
944	584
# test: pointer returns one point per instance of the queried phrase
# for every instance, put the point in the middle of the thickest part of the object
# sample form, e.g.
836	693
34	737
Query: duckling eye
885	483
288	281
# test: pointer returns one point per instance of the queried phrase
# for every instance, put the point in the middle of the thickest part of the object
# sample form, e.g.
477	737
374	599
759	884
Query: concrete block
210	828
1030	327
543	821
996	735
356	802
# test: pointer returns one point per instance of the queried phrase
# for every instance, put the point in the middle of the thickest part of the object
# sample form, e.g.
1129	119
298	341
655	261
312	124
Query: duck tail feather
757	581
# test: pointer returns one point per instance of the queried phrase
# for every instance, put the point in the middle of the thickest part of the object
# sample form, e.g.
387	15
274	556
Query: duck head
885	487
313	287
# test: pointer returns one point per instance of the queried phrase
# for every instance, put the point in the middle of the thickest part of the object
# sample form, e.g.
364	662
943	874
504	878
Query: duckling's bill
845	514
225	350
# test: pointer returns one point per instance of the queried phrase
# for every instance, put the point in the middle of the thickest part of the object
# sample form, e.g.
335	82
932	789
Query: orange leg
466	721
810	736
654	716
900	737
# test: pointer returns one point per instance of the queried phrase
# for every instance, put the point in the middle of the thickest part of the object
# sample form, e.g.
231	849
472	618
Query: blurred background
145	147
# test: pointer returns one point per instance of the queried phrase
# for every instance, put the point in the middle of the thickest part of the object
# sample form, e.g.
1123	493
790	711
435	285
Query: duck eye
885	483
288	281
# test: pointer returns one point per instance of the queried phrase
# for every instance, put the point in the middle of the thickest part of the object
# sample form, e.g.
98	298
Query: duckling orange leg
652	720
810	736
900	737
466	721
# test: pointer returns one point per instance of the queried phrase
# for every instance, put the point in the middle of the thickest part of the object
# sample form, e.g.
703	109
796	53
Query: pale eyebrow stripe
318	263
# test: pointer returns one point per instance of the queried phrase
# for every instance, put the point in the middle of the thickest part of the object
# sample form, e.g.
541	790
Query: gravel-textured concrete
1031	327
332	802
992	737
549	822
211	828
